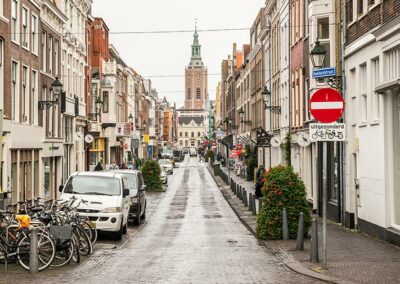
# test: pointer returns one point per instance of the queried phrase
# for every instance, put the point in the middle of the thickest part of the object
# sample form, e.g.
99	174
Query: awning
227	140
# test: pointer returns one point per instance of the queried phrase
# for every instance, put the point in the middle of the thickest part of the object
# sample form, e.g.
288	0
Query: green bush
151	175
282	188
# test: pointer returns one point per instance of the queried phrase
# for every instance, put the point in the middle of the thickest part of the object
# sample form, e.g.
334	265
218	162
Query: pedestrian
98	167
259	181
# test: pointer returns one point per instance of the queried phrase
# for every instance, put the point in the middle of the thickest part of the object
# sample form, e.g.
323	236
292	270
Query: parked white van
107	194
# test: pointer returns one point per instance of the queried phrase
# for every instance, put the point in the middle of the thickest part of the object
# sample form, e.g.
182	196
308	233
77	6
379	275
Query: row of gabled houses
68	100
266	87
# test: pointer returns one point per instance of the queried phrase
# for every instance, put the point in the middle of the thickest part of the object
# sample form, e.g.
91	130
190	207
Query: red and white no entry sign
327	105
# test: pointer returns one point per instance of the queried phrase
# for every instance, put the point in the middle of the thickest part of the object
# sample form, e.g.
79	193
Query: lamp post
93	115
57	88
242	115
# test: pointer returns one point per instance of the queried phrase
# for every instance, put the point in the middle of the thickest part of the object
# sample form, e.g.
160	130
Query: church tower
196	90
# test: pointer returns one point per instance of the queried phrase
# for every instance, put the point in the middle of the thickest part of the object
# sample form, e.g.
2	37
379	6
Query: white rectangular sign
327	132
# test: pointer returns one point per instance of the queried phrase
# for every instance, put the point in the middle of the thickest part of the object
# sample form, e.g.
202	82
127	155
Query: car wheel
144	212
120	232
125	228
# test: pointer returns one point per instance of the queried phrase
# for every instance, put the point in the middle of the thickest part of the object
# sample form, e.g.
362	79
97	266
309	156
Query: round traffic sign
327	105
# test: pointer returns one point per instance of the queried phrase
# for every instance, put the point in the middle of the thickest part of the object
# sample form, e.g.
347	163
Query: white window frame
375	80
34	97
15	79
34	34
25	93
43	46
50	52
25	27
15	28
363	91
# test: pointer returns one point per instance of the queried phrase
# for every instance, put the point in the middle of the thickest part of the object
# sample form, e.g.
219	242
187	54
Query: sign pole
324	205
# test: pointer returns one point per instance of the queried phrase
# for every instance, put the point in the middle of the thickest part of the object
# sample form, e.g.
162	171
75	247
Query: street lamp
56	87
93	115
144	124
267	101
317	55
130	118
241	114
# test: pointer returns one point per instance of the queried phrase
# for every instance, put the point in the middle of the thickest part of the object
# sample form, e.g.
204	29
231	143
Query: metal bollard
314	255
300	233
253	205
244	197
33	252
285	230
250	202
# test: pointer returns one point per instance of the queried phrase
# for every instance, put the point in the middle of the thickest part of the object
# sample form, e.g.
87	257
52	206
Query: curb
287	259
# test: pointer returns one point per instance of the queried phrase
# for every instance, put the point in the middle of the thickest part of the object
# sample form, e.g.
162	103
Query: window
105	102
44	37
363	92
193	143
14	89
192	134
186	134
68	123
198	94
1	7
180	134
14	20
33	97
323	28
24	104
50	54
56	59
34	34
189	94
375	79
25	31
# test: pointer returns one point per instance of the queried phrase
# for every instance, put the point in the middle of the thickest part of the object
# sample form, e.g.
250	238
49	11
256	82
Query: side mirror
126	192
144	188
60	188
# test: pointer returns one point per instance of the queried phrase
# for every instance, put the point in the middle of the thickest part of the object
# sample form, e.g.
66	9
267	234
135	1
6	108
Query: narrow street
192	237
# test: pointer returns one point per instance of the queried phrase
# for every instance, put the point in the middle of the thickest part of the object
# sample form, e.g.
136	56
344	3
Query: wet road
192	237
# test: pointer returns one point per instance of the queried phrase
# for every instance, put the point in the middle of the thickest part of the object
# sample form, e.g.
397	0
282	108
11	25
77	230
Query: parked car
167	165
193	152
107	194
164	176
178	156
137	194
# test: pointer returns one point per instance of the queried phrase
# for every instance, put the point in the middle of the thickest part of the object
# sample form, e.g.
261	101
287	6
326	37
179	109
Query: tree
151	175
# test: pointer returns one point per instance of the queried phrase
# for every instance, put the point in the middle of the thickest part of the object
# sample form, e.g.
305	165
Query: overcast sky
169	53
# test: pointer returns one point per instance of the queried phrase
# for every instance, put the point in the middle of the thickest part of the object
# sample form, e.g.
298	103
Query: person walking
259	182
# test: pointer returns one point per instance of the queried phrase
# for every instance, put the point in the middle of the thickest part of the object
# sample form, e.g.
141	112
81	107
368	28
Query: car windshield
93	185
164	162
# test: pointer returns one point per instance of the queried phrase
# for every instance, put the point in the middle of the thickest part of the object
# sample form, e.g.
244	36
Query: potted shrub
151	175
282	188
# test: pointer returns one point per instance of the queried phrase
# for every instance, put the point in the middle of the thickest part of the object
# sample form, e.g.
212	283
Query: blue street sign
150	150
324	72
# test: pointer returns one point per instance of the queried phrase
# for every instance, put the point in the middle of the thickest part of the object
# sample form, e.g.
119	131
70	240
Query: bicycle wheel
63	256
85	245
91	231
46	251
76	255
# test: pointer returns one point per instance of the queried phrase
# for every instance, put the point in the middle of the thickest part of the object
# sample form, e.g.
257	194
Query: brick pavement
352	256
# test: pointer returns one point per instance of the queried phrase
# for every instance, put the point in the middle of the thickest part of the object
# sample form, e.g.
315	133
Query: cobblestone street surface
192	237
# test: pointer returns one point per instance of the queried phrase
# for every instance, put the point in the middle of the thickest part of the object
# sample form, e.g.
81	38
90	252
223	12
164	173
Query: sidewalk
352	257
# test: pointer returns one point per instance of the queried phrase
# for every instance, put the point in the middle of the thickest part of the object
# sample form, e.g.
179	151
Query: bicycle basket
62	236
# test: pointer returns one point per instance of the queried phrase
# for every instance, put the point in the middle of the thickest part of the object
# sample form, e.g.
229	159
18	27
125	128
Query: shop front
97	152
52	162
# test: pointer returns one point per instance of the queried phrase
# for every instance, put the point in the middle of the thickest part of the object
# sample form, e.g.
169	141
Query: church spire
196	50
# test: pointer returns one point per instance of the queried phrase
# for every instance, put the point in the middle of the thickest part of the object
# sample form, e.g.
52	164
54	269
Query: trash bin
216	167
